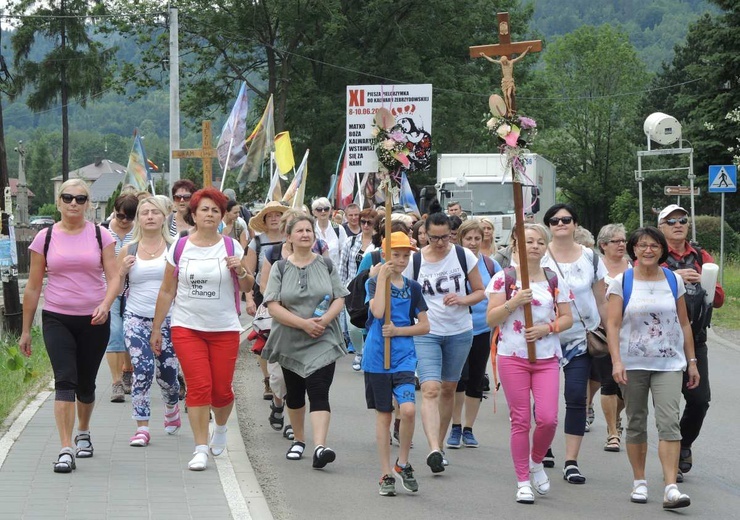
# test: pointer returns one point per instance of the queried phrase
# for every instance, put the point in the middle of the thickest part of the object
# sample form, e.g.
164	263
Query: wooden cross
207	153
505	48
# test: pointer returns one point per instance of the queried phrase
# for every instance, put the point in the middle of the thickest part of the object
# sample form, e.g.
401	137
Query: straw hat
257	222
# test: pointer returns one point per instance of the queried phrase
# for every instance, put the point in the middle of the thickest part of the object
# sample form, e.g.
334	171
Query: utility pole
21	198
174	95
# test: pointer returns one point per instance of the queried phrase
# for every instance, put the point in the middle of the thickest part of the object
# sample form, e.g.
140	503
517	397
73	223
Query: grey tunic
300	290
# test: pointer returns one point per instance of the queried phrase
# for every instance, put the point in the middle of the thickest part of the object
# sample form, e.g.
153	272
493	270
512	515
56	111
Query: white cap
670	209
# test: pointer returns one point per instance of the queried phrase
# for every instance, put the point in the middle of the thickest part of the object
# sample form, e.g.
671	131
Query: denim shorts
441	358
115	342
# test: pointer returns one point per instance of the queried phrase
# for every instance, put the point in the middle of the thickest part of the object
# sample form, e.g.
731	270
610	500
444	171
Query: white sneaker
357	363
199	462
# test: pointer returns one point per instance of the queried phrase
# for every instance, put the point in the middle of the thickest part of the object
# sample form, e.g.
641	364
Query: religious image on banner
418	140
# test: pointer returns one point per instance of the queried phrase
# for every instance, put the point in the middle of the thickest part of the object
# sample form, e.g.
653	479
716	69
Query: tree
594	78
76	67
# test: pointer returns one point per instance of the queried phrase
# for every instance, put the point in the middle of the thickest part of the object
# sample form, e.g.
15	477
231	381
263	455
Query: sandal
572	474
140	439
296	451
288	433
613	443
276	423
65	463
674	499
84	446
323	456
525	495
639	493
172	421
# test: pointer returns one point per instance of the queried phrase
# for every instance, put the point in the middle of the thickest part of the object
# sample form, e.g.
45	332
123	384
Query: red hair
209	193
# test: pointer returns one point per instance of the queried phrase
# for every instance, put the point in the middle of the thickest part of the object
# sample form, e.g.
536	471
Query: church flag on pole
137	171
284	153
297	187
345	185
260	143
230	151
406	197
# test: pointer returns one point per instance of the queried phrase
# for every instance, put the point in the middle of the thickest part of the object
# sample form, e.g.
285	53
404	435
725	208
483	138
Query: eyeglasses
322	210
123	216
554	221
651	247
433	238
182	197
366	222
673	221
618	241
67	198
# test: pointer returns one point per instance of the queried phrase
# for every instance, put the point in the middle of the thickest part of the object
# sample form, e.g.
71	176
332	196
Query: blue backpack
628	279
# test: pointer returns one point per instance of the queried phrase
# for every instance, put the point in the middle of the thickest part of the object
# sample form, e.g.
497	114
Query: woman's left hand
452	299
100	314
234	263
536	332
693	373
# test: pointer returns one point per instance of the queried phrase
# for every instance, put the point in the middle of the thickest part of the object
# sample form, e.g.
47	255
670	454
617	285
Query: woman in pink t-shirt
74	253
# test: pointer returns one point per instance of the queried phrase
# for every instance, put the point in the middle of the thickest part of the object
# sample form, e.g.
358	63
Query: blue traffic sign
723	178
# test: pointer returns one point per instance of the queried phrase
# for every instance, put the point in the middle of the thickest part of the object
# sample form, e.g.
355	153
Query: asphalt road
480	483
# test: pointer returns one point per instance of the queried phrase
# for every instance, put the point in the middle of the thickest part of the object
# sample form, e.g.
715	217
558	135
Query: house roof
14	188
92	172
106	184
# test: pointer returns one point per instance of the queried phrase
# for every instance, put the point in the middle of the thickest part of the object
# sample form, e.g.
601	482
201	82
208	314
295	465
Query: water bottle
322	307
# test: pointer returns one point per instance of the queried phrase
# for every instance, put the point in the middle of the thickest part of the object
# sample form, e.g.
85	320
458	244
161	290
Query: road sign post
722	179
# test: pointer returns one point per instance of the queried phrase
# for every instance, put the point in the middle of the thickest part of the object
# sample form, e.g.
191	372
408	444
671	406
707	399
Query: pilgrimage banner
411	105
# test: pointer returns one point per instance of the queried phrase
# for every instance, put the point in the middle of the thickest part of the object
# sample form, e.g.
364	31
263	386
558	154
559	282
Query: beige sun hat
257	222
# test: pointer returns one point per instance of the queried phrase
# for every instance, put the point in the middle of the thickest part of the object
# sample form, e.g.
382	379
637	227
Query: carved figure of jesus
508	88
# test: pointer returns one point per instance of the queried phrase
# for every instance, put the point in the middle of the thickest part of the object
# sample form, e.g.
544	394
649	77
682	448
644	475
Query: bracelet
244	274
693	360
551	328
508	309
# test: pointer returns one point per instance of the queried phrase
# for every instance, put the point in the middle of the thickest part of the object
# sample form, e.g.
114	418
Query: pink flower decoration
397	136
527	123
498	283
536	302
402	158
512	137
517	326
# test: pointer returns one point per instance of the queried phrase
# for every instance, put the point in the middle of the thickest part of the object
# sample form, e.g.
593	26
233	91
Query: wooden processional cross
505	48
207	153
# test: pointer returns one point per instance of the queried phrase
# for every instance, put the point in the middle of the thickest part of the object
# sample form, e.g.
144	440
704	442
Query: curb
716	338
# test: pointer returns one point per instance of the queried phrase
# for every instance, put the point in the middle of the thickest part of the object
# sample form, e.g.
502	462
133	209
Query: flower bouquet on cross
390	144
513	132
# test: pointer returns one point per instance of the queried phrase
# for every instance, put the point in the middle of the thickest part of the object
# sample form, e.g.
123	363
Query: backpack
47	241
460	250
629	277
699	312
490	267
327	262
354	302
510	282
229	245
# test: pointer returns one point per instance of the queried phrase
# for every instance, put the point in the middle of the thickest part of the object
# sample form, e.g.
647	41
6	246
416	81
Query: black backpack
699	312
354	302
462	260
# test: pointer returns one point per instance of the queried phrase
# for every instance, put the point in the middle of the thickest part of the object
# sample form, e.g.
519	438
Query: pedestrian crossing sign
723	178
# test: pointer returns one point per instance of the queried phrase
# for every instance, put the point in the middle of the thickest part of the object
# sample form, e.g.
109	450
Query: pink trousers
520	379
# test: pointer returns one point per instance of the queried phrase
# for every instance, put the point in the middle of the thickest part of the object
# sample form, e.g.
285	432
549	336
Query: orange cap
399	240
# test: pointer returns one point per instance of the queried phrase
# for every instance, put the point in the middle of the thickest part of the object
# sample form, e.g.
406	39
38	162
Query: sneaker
387	486
468	439
435	461
590	415
453	441
117	393
357	363
549	459
588	427
406	474
445	462
127	379
685	460
350	348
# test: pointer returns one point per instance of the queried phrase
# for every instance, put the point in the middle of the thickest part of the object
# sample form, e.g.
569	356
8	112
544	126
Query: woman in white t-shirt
584	273
521	380
142	265
205	271
442	353
650	341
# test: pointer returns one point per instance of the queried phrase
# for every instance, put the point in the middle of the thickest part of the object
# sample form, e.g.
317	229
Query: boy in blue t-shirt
381	385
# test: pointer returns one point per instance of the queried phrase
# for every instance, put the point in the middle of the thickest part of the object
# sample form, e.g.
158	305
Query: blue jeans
137	331
441	358
115	341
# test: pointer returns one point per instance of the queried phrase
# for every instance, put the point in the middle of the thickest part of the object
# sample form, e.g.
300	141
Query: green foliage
624	210
708	234
51	210
590	75
18	374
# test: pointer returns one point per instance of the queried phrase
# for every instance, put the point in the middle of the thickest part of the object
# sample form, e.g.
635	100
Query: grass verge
20	375
728	316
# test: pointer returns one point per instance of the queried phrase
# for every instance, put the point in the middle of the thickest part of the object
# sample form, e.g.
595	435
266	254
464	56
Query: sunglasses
366	222
554	221
67	198
123	216
322	210
186	196
673	221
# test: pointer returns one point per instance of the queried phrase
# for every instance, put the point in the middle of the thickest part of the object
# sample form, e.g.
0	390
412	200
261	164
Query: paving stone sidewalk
120	481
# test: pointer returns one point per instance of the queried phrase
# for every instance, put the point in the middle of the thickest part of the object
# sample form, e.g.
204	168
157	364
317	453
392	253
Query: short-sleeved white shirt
511	331
651	337
205	289
438	279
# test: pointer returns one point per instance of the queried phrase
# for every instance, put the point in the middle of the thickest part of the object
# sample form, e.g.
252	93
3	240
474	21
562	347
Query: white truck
482	184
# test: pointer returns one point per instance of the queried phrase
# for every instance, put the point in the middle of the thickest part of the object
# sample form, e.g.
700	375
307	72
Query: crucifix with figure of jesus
506	49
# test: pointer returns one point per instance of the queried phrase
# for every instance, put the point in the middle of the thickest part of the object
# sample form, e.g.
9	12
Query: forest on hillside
590	89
